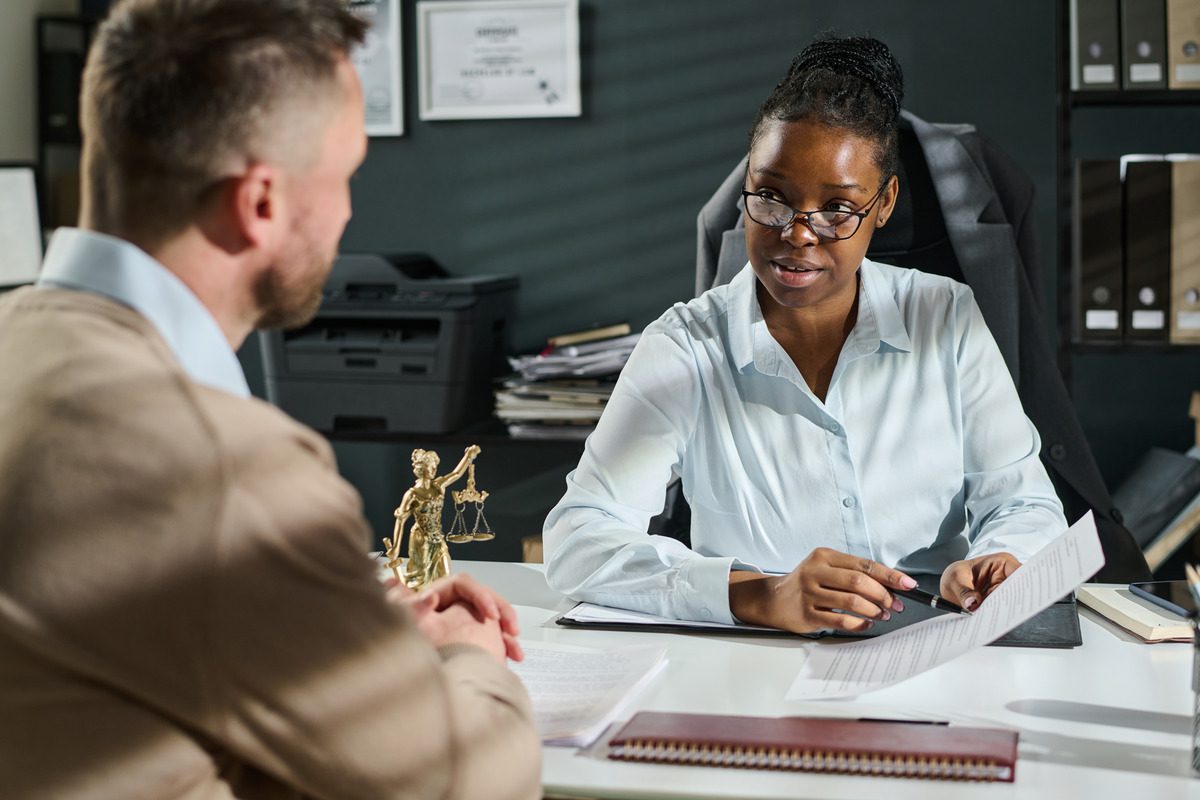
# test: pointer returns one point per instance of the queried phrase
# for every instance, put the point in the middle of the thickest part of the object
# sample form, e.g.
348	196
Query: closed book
1095	49
1185	248
1147	195
813	744
1143	44
1145	620
1183	44
1096	254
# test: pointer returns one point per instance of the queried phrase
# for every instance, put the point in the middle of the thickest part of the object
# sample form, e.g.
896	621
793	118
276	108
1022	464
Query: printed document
578	691
851	669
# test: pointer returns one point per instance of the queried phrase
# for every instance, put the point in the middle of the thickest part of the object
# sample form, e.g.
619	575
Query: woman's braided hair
853	83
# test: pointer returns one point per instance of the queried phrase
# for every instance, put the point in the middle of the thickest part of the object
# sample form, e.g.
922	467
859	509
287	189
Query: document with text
851	669
578	691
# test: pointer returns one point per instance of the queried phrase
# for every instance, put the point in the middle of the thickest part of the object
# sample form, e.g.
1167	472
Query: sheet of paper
851	669
578	691
20	231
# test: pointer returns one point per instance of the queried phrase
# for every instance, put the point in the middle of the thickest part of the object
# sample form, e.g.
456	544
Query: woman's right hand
804	600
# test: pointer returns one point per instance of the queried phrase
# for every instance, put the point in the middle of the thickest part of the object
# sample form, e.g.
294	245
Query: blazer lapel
987	251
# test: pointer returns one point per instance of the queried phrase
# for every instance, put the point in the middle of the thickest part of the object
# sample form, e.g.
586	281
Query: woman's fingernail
907	582
970	603
897	605
886	615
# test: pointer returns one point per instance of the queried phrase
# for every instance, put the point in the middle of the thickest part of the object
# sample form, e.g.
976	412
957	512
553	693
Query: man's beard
289	306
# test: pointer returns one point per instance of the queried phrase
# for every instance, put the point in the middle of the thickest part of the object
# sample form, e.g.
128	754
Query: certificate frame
378	63
20	224
496	59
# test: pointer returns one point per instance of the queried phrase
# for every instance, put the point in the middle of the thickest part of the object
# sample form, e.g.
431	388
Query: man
186	607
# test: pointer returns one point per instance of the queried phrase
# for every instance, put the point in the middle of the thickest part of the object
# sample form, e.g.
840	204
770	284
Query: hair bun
862	57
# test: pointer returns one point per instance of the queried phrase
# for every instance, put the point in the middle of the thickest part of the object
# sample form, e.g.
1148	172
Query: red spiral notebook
860	747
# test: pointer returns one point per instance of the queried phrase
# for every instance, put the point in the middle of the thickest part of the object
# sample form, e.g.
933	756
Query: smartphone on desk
1174	596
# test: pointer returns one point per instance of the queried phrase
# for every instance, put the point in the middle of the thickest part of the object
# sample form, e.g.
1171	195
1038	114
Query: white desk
1110	719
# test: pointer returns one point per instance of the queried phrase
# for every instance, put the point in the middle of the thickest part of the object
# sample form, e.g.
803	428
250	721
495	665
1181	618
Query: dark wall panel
597	214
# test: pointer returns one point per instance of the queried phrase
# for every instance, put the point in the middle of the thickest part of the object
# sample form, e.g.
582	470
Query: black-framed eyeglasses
829	226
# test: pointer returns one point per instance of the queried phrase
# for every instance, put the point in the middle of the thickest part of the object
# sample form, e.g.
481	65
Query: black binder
1096	256
1162	483
1095	48
1143	44
1147	191
1056	626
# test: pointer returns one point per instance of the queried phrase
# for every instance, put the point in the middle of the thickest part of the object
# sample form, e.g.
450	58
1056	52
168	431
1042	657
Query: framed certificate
378	63
20	226
485	59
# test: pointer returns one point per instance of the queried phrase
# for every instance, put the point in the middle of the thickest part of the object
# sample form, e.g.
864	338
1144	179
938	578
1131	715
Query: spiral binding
811	761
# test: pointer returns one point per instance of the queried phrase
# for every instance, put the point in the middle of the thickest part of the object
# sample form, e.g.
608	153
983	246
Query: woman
836	423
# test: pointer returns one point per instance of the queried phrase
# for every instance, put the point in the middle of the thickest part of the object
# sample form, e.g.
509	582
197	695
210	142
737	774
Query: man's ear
258	205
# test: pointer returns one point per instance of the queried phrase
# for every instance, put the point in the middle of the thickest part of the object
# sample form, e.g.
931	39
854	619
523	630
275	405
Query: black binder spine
1143	44
1095	45
1096	284
1147	190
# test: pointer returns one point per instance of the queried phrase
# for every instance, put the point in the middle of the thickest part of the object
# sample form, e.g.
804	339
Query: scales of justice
428	553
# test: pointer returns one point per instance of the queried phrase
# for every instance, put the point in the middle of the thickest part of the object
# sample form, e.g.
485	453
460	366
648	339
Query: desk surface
1110	719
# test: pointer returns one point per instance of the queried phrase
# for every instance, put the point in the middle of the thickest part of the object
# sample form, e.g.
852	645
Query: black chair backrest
915	234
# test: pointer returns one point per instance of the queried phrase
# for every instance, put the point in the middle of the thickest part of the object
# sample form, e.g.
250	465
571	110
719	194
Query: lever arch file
1096	290
1143	44
1185	248
1147	181
1095	49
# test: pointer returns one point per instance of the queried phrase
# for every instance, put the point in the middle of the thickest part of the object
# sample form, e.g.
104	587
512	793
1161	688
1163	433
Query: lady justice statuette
428	554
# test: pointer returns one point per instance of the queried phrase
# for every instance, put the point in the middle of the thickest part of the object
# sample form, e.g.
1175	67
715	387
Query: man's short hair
179	94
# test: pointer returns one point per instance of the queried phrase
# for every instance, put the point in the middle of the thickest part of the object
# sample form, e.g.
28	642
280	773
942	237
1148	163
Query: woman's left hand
968	582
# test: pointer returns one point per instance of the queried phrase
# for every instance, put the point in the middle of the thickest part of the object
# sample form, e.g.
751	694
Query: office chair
964	210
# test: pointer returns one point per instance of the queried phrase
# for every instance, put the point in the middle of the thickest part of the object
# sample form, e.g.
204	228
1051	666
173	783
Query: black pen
931	600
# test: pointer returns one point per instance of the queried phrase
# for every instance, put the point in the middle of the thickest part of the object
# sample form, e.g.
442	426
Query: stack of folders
1134	45
813	744
561	392
1135	272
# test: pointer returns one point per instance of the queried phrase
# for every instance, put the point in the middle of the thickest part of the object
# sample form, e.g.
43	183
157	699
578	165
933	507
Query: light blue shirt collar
745	317
879	321
95	262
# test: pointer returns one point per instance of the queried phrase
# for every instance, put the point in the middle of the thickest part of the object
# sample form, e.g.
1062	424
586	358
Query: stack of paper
561	392
577	692
588	360
551	409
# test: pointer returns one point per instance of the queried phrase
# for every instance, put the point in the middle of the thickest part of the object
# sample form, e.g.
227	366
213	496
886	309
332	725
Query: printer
389	352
